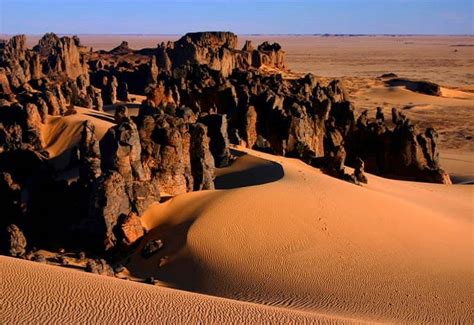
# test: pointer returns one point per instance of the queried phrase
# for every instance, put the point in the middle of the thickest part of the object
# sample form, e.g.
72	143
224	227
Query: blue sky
240	16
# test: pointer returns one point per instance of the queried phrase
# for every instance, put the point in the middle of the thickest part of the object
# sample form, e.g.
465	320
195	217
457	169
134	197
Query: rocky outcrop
144	193
120	147
402	152
15	241
100	267
89	154
169	168
14	58
122	92
218	51
219	143
359	173
122	49
131	229
109	201
269	55
11	203
423	87
54	59
53	104
60	56
110	91
151	248
5	90
202	161
162	57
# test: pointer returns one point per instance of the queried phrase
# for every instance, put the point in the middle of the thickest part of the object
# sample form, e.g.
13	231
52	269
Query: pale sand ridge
34	293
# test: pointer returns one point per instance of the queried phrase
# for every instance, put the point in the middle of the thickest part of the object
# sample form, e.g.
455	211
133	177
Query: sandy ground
43	294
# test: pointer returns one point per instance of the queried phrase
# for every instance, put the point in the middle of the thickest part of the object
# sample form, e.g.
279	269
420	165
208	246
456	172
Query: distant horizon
244	17
238	34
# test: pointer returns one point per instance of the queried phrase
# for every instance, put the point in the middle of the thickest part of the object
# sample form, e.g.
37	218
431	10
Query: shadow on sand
259	171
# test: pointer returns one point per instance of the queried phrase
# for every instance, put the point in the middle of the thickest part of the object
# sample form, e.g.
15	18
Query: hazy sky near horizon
239	16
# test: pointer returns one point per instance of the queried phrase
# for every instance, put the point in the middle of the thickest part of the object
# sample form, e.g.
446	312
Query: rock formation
202	161
131	229
201	94
359	173
89	154
219	144
109	202
16	241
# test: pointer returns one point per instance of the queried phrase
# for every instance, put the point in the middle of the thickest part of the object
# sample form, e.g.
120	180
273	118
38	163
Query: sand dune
453	93
34	293
389	251
459	165
400	95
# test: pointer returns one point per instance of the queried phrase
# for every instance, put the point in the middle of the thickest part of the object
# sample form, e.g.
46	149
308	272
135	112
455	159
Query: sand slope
34	293
389	251
61	133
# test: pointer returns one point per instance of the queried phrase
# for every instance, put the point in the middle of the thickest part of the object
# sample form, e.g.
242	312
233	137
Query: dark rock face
15	241
202	161
110	91
423	87
211	39
10	205
89	154
60	56
219	144
170	167
404	151
109	201
53	57
218	51
144	193
359	174
269	55
121	149
151	248
122	49
100	267
131	229
168	150
334	149
124	187
122	92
